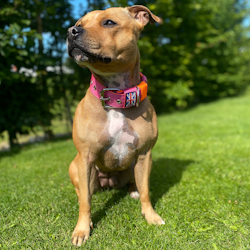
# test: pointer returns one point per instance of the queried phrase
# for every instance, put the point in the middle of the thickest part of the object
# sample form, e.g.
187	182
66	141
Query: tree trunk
66	103
47	132
12	139
68	113
40	31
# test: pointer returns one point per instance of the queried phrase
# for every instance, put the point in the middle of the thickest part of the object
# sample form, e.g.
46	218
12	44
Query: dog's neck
120	80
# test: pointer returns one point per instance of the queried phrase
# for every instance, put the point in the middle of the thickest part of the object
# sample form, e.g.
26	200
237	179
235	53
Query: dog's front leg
142	173
82	229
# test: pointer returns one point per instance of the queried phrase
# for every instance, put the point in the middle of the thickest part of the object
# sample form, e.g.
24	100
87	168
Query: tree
196	55
29	100
16	44
53	18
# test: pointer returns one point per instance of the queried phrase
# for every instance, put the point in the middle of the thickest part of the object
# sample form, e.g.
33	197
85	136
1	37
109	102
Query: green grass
200	185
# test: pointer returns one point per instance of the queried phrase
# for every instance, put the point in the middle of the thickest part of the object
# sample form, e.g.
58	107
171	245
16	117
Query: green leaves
196	61
25	88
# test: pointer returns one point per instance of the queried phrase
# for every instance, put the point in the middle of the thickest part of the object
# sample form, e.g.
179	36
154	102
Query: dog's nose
74	31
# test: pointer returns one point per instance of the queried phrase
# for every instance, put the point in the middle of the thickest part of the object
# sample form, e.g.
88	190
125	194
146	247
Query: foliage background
200	53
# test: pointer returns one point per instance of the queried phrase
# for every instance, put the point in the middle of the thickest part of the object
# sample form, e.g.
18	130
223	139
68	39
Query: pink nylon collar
116	98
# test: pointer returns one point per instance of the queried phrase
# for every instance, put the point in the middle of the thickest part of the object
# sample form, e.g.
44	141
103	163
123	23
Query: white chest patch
121	136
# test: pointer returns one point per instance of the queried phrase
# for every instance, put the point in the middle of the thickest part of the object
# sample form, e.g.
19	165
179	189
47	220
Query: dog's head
106	40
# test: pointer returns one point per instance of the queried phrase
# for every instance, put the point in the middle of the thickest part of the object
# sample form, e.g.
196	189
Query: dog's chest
123	139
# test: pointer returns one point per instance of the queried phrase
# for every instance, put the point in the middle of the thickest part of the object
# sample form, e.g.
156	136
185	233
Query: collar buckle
104	99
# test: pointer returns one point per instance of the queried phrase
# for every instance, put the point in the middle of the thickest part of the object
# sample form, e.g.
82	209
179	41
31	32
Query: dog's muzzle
78	48
75	44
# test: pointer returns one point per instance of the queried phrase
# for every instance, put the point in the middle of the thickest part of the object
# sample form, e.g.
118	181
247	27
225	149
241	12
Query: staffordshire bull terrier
115	125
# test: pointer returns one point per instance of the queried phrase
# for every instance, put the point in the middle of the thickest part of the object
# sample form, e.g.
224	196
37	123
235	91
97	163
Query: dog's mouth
81	55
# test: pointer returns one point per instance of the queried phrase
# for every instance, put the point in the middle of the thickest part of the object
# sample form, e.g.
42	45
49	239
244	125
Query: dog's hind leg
133	191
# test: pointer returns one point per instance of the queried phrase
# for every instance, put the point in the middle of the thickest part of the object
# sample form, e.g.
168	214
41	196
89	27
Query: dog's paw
80	235
134	195
152	217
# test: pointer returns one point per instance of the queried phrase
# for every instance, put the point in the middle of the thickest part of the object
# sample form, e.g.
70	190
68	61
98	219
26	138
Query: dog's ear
143	15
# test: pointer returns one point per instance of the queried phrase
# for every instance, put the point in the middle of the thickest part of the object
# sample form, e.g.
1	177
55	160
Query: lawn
200	185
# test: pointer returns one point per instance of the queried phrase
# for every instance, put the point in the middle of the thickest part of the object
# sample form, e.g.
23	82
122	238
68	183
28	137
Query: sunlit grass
200	186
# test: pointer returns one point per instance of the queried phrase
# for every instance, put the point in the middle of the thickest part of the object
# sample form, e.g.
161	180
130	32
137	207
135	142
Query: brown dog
114	144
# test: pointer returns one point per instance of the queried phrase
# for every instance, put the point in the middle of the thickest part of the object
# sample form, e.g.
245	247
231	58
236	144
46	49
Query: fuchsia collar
116	98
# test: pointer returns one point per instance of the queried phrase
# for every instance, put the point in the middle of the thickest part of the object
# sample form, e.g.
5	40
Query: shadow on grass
116	198
10	153
165	174
26	145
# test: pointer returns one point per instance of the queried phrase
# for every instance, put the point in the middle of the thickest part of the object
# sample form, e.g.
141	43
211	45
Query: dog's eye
79	25
109	23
